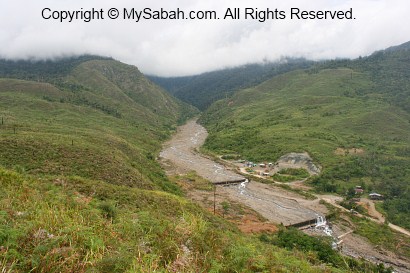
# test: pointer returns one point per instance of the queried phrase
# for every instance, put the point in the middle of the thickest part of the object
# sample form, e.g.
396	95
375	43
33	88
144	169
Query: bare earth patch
251	224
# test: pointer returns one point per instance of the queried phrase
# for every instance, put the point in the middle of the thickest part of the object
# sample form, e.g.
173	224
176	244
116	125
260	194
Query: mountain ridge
89	102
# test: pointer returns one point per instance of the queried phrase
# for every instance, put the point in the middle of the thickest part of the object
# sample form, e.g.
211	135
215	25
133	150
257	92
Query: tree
225	206
350	193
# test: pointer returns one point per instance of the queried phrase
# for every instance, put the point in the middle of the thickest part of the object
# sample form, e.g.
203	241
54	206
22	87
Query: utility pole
214	199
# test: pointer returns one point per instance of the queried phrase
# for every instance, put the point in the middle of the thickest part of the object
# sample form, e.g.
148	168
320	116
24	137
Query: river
274	203
181	150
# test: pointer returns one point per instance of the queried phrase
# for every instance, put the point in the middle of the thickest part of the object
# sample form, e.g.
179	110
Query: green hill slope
388	70
98	119
339	105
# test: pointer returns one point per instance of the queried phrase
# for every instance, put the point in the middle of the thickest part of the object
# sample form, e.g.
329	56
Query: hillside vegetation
98	119
204	89
81	190
358	107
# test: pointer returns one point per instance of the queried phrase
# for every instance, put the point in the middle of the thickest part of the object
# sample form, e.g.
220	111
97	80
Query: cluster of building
373	196
262	169
251	164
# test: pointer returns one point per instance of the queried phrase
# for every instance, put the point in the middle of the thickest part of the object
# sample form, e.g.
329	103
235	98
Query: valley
82	190
102	170
225	140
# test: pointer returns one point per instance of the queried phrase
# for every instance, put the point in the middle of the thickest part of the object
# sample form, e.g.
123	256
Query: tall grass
63	224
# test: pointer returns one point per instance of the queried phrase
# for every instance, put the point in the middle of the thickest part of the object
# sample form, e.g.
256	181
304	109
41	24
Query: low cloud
186	47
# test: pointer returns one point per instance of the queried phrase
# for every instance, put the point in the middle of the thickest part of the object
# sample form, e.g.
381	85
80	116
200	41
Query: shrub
108	209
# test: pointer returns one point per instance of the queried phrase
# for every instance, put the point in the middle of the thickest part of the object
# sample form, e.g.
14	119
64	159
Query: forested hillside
202	90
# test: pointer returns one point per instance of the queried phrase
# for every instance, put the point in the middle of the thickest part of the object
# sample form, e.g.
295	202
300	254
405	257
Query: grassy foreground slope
353	123
72	224
98	119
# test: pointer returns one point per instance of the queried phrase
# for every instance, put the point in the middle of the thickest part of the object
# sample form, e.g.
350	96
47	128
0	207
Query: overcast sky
186	47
